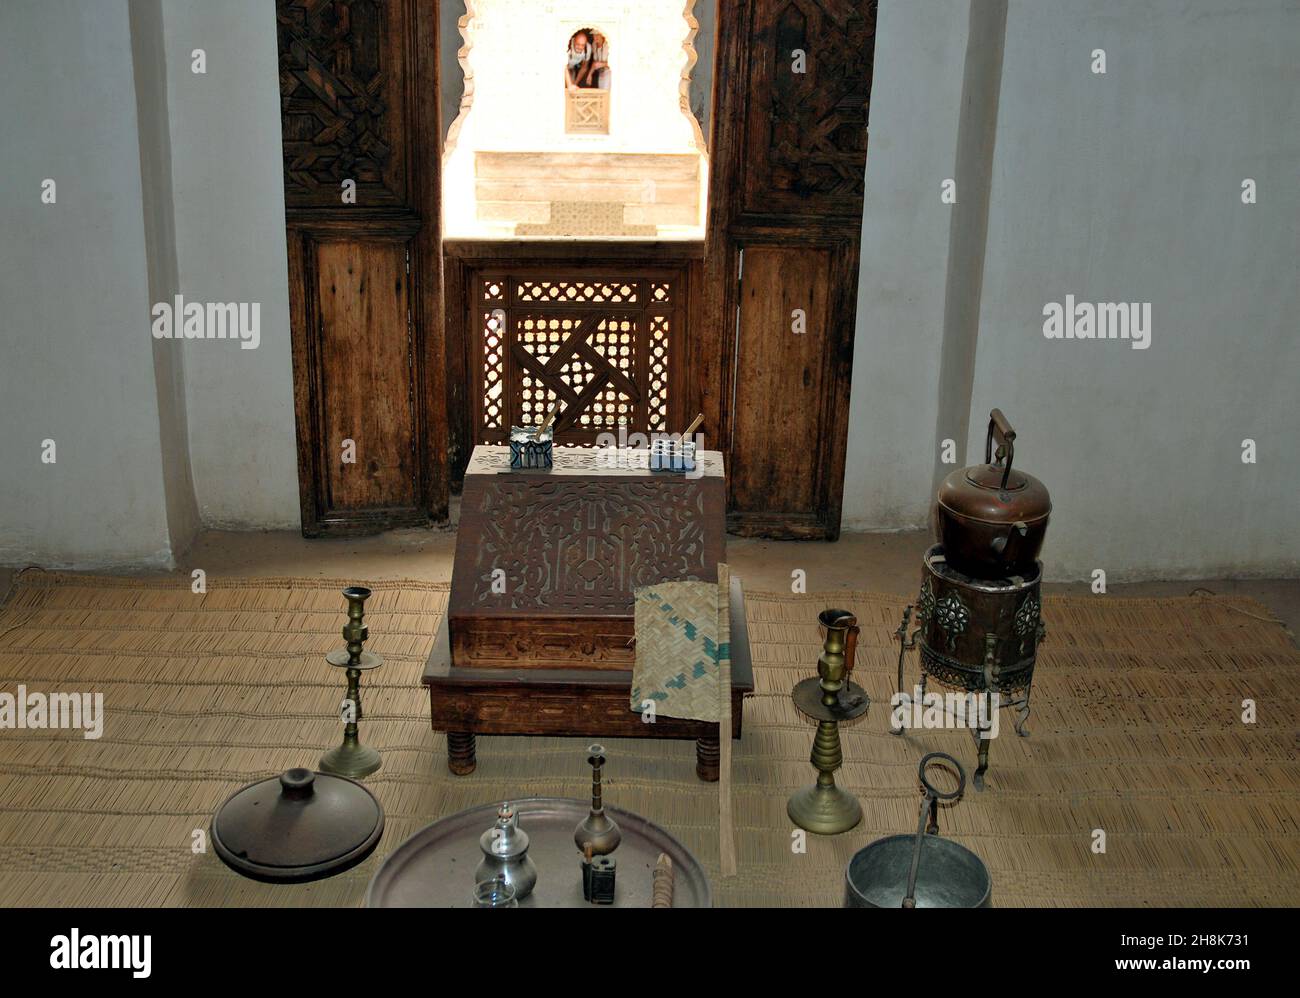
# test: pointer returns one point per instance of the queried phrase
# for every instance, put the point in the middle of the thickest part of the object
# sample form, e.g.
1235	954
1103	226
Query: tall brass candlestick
829	699
352	759
598	830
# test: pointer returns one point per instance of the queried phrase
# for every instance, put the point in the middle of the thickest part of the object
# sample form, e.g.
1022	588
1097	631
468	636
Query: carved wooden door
359	103
785	223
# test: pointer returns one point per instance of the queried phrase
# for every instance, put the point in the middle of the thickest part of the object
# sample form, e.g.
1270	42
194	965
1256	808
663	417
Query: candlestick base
824	810
351	760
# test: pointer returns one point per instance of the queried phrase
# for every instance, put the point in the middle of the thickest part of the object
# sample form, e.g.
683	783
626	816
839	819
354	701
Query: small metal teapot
505	854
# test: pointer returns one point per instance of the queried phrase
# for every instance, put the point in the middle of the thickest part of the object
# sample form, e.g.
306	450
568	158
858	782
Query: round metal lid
297	826
976	494
989	476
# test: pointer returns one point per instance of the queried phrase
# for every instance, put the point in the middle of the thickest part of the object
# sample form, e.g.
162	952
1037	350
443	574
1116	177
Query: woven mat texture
1136	730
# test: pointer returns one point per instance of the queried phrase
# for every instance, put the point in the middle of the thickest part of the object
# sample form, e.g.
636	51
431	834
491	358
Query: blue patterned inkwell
525	452
667	454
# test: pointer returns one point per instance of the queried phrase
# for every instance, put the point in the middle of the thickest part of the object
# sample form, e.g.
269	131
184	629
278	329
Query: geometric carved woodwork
546	563
342	81
586	111
806	132
603	344
628	534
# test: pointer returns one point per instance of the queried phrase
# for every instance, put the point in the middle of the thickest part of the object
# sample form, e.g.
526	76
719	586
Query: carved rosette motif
1027	621
952	616
925	602
1027	617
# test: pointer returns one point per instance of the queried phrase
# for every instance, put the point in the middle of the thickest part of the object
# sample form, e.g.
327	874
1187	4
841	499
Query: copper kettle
990	518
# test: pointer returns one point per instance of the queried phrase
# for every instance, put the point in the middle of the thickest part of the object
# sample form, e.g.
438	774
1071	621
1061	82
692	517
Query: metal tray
434	868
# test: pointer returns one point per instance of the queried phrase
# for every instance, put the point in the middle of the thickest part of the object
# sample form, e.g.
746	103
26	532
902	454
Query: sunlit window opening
575	122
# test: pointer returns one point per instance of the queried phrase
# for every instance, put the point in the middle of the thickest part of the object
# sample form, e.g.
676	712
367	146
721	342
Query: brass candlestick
598	829
352	759
829	699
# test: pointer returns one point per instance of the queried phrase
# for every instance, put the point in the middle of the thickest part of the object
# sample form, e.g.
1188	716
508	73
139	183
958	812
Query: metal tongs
930	808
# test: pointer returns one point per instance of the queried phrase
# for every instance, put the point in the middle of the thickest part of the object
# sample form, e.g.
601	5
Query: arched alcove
529	156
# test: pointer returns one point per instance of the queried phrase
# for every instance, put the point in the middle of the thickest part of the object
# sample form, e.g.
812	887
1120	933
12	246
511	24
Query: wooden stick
726	829
547	422
694	424
663	877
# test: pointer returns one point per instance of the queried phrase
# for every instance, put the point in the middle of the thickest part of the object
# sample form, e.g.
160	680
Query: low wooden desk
537	636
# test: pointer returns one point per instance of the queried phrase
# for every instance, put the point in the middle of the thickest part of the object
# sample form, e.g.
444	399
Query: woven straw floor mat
1136	730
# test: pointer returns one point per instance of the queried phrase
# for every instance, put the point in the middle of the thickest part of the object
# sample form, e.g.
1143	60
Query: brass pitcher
835	664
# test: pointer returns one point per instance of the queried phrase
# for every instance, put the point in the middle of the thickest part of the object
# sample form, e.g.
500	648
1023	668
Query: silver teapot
505	854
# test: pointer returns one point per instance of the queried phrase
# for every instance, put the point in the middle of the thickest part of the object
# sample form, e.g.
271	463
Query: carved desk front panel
546	563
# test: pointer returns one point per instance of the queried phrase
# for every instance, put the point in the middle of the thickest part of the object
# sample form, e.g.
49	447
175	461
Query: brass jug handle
1006	437
850	650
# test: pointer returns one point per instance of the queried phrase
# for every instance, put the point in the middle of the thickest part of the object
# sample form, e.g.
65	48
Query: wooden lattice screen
605	344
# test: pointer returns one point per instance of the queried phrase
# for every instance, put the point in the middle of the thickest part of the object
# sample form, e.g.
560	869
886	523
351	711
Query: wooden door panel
780	379
366	383
786	187
359	115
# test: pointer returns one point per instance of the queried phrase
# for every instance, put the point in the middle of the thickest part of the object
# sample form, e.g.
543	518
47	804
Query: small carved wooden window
604	345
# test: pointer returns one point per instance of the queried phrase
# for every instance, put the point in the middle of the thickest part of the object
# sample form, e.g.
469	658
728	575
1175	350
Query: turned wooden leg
706	759
460	752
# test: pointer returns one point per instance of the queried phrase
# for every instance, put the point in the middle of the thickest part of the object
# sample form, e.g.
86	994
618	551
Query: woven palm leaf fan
683	669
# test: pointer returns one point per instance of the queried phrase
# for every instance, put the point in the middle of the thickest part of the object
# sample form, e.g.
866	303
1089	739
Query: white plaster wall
1117	187
1126	187
228	177
74	301
916	99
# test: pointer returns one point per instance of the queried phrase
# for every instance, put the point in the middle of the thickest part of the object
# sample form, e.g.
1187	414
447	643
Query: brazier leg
1022	714
460	752
707	751
901	633
983	742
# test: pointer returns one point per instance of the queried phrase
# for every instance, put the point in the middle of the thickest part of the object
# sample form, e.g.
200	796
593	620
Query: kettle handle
1006	437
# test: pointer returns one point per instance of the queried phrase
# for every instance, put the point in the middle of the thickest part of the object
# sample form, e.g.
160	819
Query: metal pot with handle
921	870
990	518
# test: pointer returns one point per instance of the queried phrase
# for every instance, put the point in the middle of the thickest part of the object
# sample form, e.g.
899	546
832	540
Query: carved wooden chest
546	561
